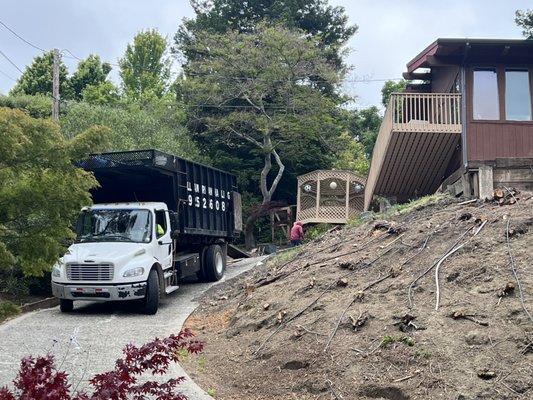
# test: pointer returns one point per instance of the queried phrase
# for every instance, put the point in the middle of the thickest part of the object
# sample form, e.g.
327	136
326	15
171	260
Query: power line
10	61
20	37
7	76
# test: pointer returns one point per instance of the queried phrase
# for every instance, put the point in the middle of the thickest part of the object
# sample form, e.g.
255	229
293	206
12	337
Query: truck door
163	251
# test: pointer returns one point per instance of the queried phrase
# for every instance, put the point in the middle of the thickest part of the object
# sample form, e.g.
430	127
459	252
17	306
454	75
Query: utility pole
55	87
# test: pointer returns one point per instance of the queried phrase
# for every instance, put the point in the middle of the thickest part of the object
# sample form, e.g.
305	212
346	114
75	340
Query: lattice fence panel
336	200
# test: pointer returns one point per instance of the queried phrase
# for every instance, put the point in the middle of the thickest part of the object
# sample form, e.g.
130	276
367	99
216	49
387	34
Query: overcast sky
391	32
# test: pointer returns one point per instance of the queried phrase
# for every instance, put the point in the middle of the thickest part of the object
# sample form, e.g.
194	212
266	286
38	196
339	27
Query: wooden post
486	182
317	195
55	87
347	197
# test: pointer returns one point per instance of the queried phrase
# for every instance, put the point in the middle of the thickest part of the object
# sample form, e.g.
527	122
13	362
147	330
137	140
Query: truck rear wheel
214	263
151	301
66	305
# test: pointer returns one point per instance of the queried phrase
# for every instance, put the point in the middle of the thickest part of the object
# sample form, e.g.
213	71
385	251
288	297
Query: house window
517	95
486	102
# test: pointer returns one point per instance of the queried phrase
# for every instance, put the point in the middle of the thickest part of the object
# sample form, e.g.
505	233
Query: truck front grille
90	272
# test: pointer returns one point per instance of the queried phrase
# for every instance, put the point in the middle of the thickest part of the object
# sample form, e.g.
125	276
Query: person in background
297	234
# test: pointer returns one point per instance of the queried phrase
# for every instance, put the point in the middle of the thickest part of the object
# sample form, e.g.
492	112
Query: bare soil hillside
353	314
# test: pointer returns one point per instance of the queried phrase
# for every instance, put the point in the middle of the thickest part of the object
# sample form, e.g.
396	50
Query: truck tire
214	263
151	301
66	305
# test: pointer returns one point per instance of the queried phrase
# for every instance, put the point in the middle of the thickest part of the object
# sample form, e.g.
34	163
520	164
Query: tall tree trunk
249	237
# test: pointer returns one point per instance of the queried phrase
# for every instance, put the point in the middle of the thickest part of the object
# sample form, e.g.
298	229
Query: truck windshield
115	225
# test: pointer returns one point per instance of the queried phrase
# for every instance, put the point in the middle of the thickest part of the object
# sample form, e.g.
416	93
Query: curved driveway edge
89	340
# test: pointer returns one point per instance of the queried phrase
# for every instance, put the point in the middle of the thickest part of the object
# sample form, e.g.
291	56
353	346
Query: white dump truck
156	219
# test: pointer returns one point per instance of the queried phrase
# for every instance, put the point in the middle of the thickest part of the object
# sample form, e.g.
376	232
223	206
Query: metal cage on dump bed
205	199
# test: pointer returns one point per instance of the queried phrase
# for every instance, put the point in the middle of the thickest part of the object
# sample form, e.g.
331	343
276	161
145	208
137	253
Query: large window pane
517	96
486	102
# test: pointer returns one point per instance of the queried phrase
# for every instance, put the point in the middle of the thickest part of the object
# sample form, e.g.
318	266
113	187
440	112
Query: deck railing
413	112
426	112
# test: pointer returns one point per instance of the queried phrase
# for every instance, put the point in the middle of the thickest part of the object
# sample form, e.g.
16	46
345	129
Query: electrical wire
20	37
73	56
7	76
11	62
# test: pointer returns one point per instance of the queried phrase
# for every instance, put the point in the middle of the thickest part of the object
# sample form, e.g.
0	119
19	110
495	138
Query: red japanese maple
39	379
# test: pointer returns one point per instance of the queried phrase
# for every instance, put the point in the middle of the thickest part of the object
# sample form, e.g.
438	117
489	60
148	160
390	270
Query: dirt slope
267	332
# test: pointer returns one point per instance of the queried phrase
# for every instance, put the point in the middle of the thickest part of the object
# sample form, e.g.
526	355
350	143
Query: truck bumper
99	293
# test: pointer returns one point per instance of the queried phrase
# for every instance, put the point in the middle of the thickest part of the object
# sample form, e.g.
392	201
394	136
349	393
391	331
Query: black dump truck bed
205	199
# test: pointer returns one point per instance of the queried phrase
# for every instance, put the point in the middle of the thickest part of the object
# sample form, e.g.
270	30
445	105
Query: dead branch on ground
354	299
312	303
437	284
513	268
409	297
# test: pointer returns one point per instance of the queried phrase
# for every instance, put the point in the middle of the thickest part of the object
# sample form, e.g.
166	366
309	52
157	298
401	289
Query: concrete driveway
89	340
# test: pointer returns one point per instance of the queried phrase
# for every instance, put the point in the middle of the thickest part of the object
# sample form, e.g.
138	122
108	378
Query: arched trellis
329	196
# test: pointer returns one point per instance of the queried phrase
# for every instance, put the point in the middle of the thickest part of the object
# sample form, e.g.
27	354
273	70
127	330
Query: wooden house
465	122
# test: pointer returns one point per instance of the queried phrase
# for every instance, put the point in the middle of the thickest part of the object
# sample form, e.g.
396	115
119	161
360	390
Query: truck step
168	274
170	289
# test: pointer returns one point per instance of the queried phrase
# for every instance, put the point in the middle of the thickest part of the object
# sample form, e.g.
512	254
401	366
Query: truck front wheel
66	305
151	301
214	263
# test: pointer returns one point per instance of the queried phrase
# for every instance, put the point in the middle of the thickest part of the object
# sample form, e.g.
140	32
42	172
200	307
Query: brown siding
442	79
488	140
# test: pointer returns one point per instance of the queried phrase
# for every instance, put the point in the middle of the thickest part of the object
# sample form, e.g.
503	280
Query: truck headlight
133	272
56	271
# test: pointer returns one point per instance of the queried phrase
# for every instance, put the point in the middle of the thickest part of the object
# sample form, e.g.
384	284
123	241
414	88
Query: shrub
7	309
39	378
316	231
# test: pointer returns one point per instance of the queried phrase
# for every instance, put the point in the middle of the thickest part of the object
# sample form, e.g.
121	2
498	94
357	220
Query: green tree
90	72
329	25
159	124
37	106
256	88
37	78
363	125
352	156
524	19
391	87
105	93
145	66
41	190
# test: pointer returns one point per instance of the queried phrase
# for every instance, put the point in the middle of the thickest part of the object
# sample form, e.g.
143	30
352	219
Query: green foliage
105	93
90	72
363	125
284	256
41	191
145	66
389	340
8	310
315	17
524	19
391	87
404	208
261	79
159	124
37	78
352	157
37	106
316	231
422	353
